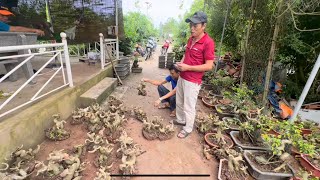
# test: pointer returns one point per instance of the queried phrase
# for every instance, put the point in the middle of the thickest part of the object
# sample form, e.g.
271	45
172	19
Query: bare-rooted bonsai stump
139	114
155	129
164	137
141	89
149	135
57	132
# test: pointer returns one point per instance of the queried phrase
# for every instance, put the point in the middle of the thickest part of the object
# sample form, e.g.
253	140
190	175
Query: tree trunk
253	2
272	54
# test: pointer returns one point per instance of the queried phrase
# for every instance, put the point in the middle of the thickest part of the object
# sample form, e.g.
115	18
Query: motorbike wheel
147	56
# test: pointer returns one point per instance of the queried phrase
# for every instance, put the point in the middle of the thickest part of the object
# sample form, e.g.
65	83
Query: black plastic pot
120	67
136	70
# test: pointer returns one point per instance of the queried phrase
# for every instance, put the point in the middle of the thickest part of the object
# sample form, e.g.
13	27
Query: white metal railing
60	48
109	49
96	45
81	50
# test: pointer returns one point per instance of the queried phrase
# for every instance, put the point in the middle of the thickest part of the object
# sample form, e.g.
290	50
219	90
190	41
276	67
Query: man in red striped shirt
198	58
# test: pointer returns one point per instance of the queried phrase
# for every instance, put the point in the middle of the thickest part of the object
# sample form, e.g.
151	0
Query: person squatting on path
167	98
197	59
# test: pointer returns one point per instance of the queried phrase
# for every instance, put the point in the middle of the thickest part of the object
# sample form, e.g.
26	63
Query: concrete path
175	156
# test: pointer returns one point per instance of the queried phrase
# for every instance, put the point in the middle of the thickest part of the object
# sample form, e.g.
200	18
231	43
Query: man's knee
173	99
161	88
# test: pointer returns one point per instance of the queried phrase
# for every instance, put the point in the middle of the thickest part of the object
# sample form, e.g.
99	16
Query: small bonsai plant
217	139
205	124
278	155
221	82
57	132
154	128
241	98
139	114
141	89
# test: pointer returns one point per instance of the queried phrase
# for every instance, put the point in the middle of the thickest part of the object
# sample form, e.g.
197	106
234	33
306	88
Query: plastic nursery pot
306	131
309	166
210	143
136	70
225	101
295	178
273	132
295	151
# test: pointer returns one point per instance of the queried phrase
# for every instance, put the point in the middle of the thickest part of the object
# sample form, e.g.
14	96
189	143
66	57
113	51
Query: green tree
169	27
138	27
297	46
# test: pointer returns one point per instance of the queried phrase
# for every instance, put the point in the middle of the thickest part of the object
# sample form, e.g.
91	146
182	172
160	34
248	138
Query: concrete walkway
175	156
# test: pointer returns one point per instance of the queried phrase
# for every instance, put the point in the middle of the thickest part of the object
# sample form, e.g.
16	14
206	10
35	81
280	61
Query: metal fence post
102	50
117	31
306	89
78	50
67	59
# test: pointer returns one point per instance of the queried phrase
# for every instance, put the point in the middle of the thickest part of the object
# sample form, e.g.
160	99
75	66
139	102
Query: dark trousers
171	100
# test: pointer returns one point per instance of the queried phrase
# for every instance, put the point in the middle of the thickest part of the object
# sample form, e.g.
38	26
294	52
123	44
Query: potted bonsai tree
135	66
270	164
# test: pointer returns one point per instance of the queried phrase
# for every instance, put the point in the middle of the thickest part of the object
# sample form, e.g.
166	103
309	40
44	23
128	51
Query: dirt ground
174	156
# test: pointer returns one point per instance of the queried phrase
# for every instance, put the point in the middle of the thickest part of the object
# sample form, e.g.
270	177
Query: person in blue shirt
167	98
4	19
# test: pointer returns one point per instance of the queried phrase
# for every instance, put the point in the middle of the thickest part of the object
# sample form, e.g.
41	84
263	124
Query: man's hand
157	102
144	79
183	67
39	32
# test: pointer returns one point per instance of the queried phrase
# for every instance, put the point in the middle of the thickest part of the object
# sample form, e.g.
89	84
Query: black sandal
184	134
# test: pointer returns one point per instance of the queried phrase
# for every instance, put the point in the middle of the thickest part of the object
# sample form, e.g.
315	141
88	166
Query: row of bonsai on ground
114	150
265	147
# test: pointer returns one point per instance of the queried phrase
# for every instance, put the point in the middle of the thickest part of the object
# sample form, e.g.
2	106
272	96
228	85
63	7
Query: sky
160	10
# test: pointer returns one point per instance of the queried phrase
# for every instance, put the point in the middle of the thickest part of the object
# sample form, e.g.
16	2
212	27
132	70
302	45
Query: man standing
4	19
167	98
197	59
165	47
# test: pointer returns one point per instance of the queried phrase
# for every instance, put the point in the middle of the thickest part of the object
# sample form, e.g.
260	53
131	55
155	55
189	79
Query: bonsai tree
278	152
241	98
205	124
57	132
222	83
292	131
252	129
135	61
